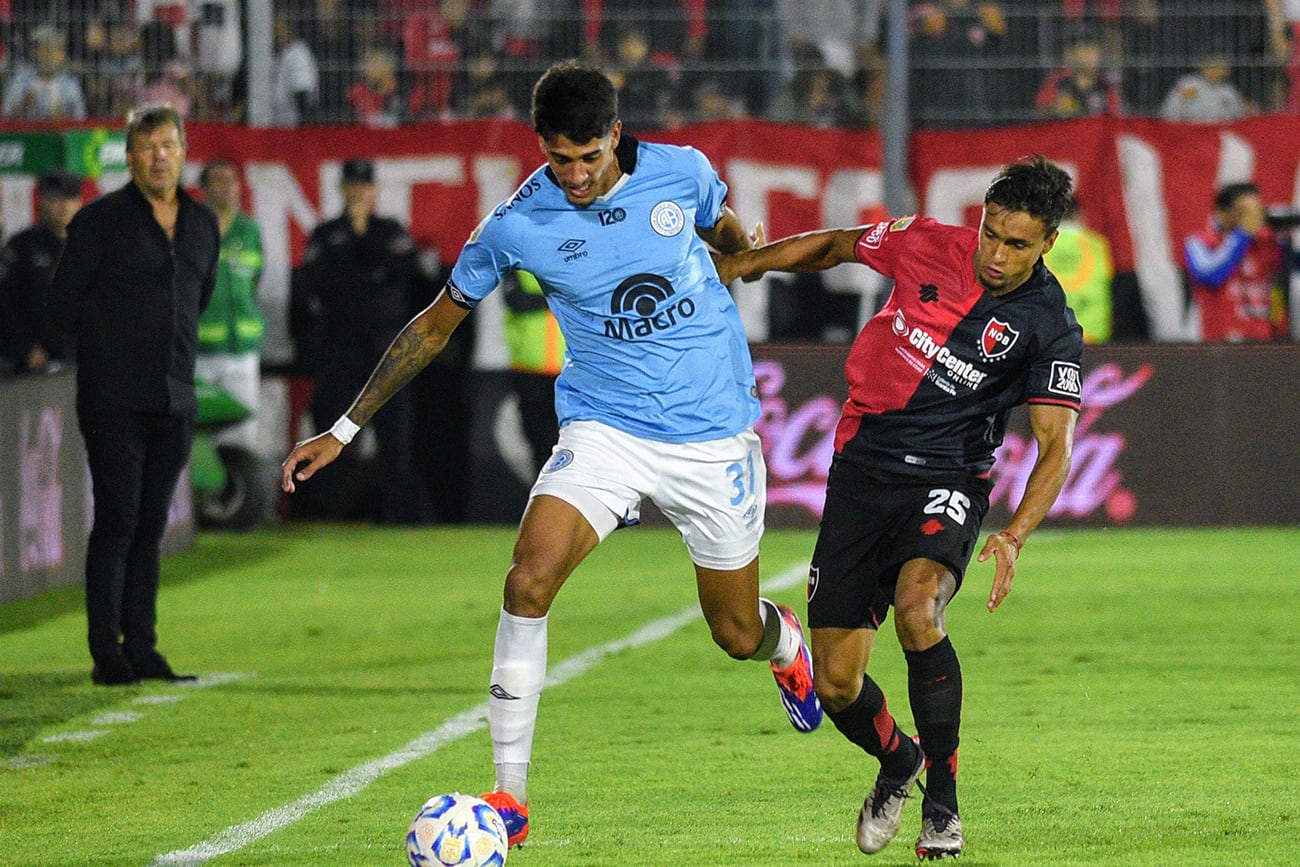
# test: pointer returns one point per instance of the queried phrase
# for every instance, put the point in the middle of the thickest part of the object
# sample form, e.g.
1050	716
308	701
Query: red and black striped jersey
934	375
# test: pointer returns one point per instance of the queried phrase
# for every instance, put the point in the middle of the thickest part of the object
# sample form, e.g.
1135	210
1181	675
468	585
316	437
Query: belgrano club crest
997	339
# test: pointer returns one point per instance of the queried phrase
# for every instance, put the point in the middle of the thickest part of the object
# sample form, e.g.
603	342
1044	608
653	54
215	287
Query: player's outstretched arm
1053	429
418	343
811	251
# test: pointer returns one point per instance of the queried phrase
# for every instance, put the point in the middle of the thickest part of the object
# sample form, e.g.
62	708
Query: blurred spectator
295	88
845	32
955	46
218	51
1233	267
166	75
743	37
818	95
338	32
26	268
711	100
1082	263
482	92
1287	16
434	43
173	86
1081	88
118	69
376	99
1112	19
45	89
1206	95
646	90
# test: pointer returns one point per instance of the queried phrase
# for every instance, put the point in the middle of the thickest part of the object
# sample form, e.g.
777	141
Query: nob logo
648	298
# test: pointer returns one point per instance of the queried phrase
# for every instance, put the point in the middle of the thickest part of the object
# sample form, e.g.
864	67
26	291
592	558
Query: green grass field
1134	702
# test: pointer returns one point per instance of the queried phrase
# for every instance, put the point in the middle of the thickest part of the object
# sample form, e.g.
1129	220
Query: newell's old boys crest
997	339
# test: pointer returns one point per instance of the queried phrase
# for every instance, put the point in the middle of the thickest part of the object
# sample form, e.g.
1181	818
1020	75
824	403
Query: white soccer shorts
714	492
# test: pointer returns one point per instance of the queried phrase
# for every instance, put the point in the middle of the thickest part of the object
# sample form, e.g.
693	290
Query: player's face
585	170
155	159
1010	244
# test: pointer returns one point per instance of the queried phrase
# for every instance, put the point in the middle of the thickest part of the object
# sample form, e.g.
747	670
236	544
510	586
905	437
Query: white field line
351	782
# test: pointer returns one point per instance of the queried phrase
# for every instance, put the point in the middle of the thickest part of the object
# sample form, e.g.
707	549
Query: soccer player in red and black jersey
975	326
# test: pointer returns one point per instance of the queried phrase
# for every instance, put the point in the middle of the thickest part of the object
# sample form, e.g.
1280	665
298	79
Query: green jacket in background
532	335
232	322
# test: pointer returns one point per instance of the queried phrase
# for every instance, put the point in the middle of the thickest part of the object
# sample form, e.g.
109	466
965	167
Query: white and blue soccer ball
456	830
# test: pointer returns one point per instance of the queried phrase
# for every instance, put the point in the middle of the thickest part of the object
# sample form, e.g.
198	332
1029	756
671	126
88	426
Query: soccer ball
456	830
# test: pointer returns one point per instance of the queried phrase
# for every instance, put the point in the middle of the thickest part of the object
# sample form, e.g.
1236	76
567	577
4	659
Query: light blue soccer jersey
655	344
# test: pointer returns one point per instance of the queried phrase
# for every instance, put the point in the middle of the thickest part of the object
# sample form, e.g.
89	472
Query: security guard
26	268
231	329
355	284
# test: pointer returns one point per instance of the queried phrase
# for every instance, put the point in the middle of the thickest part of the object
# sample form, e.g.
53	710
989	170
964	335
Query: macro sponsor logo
523	193
649	299
961	371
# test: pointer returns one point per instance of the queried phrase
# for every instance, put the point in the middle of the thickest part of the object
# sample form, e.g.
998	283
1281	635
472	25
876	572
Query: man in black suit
139	266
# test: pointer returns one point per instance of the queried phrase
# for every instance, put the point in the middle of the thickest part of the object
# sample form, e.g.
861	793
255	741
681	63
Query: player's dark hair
1034	186
575	100
1229	193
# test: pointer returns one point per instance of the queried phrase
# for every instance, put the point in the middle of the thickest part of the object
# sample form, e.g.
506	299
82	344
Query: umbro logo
498	692
573	247
929	293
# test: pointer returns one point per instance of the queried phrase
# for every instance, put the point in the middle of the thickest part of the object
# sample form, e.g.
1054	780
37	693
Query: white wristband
344	429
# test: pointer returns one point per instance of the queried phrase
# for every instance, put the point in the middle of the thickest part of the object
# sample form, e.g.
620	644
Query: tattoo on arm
408	354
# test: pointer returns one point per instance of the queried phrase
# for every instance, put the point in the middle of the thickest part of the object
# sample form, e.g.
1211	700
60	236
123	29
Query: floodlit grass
1134	702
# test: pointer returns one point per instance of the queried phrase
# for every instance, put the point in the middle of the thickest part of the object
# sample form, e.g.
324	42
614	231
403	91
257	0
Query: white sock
787	643
518	673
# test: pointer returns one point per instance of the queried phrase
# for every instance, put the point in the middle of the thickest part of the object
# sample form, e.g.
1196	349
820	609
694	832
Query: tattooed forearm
412	349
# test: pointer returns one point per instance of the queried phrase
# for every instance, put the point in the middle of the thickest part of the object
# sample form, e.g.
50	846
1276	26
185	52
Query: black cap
359	171
59	184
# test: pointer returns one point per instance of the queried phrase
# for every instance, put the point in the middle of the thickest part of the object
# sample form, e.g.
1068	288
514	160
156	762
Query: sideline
352	782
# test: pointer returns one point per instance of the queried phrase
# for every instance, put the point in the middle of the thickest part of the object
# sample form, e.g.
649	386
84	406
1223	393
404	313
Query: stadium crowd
387	62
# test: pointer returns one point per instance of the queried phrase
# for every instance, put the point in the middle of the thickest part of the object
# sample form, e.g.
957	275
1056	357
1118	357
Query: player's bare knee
526	593
835	692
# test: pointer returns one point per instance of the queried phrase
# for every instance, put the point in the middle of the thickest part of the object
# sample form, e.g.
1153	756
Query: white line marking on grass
72	737
117	717
352	782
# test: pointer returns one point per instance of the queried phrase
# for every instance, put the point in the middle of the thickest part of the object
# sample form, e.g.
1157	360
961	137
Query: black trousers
135	461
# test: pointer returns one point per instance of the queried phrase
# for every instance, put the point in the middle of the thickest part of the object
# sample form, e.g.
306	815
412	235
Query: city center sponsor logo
652	304
997	339
959	370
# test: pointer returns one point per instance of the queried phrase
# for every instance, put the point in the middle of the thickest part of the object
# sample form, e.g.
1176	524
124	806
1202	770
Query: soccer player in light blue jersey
656	397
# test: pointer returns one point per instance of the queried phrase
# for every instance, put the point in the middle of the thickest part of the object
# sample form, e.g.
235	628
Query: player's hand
316	453
1005	553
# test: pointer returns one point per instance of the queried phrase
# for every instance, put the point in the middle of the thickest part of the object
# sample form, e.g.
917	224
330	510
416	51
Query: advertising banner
1145	185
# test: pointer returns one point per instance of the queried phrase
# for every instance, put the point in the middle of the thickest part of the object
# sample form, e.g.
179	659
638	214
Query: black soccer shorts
869	529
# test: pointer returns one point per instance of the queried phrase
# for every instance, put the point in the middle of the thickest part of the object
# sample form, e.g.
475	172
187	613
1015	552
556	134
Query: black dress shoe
116	673
155	667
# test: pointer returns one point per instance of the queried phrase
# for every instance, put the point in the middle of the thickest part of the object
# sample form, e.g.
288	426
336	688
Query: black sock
868	723
934	687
